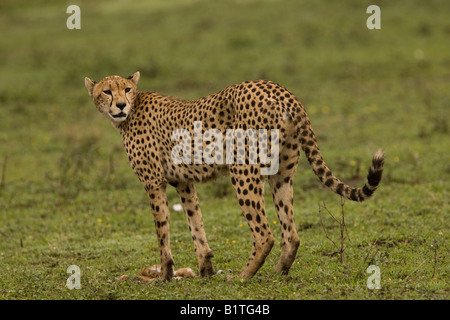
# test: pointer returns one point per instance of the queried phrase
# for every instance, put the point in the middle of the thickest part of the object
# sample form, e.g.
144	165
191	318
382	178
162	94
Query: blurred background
363	89
397	77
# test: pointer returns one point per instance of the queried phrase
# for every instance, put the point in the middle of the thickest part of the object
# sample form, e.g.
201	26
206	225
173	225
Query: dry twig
342	227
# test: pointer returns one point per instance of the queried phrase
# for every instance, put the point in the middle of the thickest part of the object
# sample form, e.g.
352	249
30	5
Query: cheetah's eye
127	90
107	92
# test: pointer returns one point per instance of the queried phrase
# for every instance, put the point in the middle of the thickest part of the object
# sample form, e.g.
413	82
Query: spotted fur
146	121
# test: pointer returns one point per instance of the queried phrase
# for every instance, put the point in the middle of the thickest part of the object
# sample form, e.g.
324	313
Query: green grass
68	195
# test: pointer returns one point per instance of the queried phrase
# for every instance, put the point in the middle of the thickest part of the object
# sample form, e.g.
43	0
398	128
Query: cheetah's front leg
158	201
193	213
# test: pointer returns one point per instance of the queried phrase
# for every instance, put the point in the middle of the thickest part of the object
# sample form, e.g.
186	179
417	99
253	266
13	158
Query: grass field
69	197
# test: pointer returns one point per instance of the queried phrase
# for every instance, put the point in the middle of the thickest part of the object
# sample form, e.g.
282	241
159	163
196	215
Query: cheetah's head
114	96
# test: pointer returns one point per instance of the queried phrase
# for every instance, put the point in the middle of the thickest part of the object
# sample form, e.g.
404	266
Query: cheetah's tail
309	146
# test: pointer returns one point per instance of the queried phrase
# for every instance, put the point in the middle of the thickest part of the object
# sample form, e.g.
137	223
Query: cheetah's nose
121	105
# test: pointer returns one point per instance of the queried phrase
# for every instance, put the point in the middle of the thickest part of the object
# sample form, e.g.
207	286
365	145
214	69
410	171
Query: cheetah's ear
135	78
89	85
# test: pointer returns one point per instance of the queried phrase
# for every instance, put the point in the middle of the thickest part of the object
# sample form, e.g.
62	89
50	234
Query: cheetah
146	122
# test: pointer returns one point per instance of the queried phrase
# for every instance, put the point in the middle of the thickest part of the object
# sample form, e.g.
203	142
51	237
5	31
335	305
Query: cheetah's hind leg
282	192
249	187
193	213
